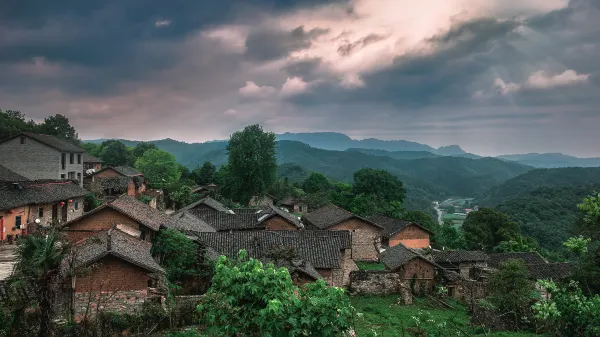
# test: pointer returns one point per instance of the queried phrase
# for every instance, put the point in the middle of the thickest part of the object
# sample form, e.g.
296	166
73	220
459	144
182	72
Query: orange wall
8	220
412	237
279	223
111	274
109	172
101	220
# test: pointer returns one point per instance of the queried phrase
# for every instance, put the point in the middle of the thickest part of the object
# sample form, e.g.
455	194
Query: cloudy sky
494	76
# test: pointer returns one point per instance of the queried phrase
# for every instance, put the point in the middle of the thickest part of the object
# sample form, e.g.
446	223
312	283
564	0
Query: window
63	160
142	234
62	176
79	158
23	140
78	176
76	205
71	158
41	212
18	221
72	175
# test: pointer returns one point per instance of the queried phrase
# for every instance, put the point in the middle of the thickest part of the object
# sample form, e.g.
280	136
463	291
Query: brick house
37	156
271	218
113	271
27	204
468	264
91	164
274	218
294	205
205	203
113	181
411	265
125	213
366	235
397	231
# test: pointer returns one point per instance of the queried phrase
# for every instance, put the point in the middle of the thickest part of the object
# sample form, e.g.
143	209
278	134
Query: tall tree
92	149
486	228
252	162
59	126
449	237
378	183
12	122
206	173
142	147
590	225
316	182
115	153
160	167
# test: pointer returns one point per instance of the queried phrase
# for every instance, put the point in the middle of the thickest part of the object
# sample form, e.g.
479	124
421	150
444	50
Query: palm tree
39	259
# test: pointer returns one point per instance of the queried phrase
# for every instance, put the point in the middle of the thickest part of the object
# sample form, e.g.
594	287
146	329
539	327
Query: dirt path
7	258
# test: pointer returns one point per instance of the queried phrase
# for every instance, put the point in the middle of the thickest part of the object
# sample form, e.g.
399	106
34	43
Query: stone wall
277	222
365	239
120	301
376	282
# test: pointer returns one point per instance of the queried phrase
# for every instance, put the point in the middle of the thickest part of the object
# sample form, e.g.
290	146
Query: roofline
113	168
409	224
110	252
98	209
48	145
352	216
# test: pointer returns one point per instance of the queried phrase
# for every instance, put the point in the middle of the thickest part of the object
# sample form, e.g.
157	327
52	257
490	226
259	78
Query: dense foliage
252	299
486	228
159	167
12	122
205	174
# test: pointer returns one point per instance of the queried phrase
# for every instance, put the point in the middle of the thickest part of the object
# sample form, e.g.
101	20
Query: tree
115	153
92	149
142	147
206	174
182	197
59	127
519	243
252	163
316	182
511	290
251	299
160	167
486	228
38	260
379	183
422	219
449	237
591	221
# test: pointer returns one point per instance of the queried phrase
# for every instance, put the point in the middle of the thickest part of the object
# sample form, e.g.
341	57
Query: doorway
63	212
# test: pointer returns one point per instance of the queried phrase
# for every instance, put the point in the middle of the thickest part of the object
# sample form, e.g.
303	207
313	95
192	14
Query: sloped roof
398	255
48	140
331	215
496	259
88	158
290	201
187	222
7	175
116	243
295	266
137	210
101	183
127	171
37	192
393	226
555	271
222	221
458	256
276	211
321	252
208	201
344	237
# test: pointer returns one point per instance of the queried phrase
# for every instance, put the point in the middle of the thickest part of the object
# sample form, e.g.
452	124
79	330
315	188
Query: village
44	181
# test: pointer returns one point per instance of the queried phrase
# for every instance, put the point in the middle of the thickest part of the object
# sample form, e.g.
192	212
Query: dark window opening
76	205
143	234
54	212
79	176
62	176
23	140
18	221
71	158
79	158
63	160
41	212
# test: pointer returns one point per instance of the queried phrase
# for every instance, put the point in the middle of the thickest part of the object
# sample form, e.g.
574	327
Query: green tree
160	167
511	291
252	163
486	228
206	174
591	221
316	182
38	260
142	147
12	122
59	126
449	237
92	149
182	197
422	219
379	183
251	299
115	153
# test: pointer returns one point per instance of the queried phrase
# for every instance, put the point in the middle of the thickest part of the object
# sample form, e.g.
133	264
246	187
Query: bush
249	298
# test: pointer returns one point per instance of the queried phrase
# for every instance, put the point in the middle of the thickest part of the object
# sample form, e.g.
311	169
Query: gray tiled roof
101	183
208	201
393	226
127	171
38	192
88	158
141	212
496	259
321	252
344	237
116	243
52	141
293	266
225	221
398	255
7	175
187	222
458	256
276	211
555	271
331	215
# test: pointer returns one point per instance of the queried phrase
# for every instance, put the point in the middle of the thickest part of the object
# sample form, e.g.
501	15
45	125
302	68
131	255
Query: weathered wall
376	282
108	172
32	160
419	267
279	223
8	221
112	274
108	301
412	237
365	239
102	220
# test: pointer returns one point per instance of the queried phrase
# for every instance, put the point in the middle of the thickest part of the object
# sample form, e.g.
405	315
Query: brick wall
365	239
101	220
326	274
412	237
108	172
348	266
112	274
279	223
419	267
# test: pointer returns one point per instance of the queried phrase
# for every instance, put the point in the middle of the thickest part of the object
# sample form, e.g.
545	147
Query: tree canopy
205	174
159	167
142	147
486	228
316	182
115	153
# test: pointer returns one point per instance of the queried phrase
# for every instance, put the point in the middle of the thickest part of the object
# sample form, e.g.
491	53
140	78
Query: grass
381	316
370	265
453	217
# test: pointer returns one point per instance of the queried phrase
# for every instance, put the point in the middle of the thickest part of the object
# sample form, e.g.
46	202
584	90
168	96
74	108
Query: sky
493	76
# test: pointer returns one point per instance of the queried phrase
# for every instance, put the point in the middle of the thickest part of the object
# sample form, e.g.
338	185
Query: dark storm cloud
268	44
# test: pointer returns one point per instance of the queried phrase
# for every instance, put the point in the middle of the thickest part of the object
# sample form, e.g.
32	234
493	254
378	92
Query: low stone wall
376	282
115	301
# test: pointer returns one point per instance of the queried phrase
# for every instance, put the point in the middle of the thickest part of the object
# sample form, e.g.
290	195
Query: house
274	218
37	156
366	238
189	223
204	189
496	259
412	266
113	181
27	204
226	221
91	164
119	272
294	205
266	200
125	213
404	232
205	203
466	263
